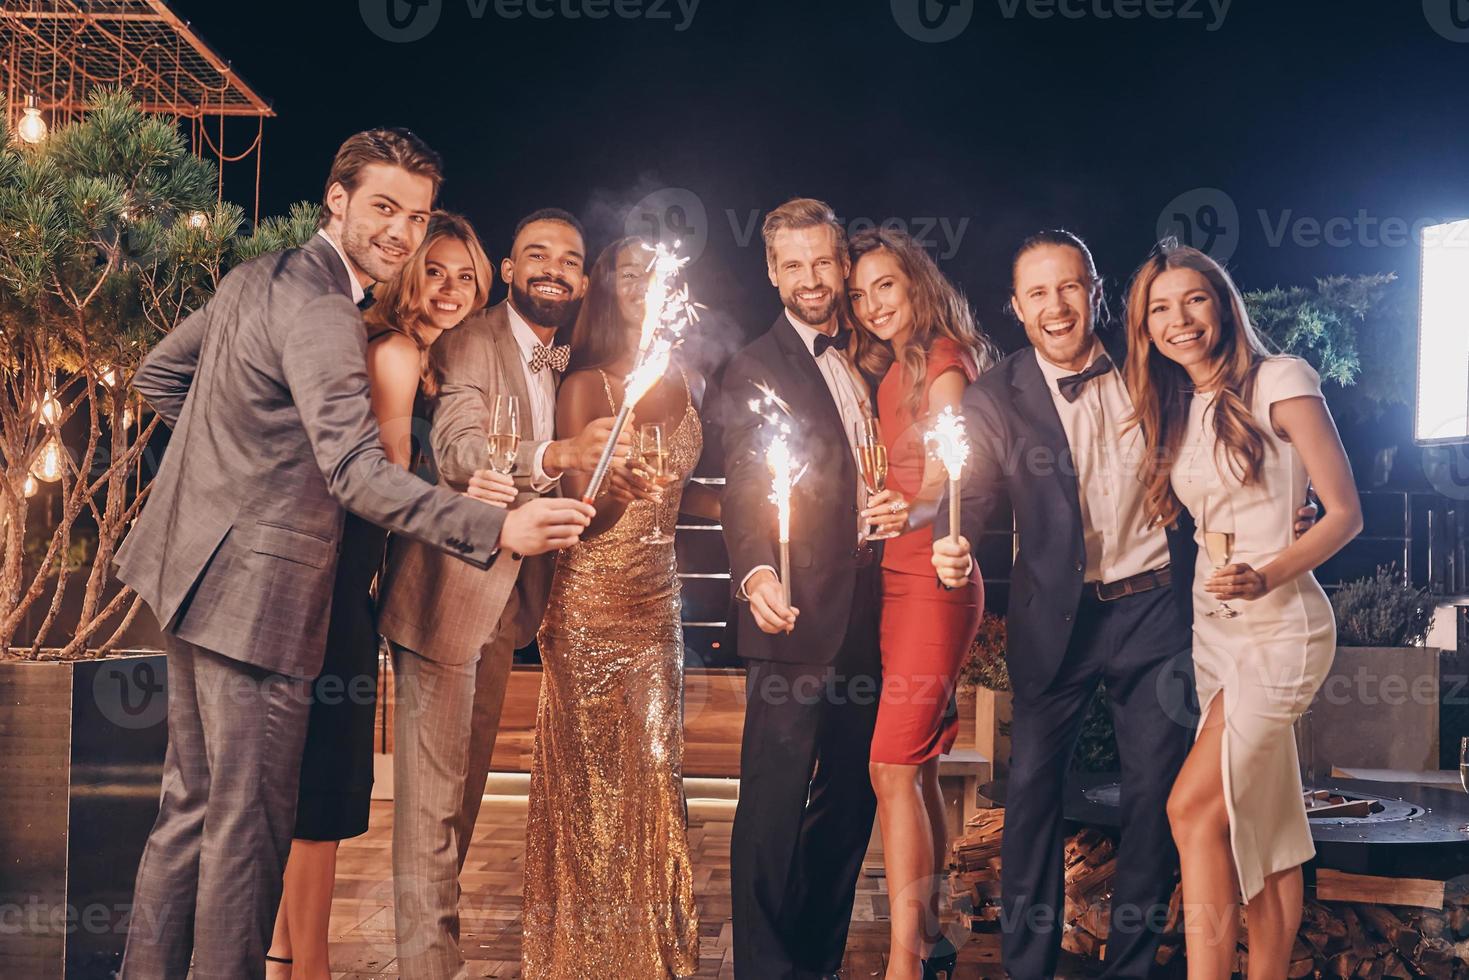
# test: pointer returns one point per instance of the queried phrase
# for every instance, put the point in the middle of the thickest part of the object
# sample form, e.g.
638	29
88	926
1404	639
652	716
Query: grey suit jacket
437	607
266	389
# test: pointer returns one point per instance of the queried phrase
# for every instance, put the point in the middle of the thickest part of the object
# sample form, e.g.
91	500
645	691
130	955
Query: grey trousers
445	721
210	878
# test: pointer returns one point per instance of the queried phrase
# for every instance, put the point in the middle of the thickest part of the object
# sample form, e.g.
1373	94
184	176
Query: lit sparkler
951	447
666	311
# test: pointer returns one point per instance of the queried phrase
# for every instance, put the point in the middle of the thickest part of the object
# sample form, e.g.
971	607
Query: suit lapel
798	356
507	351
1037	406
321	249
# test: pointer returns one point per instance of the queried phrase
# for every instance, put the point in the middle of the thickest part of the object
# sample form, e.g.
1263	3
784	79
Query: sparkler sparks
951	446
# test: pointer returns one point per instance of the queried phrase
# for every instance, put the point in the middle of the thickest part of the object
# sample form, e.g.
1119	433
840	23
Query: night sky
1032	116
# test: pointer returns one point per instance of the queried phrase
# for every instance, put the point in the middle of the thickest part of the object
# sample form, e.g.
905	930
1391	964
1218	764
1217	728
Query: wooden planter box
1378	709
81	762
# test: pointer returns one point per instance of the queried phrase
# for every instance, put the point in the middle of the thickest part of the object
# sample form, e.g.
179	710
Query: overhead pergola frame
57	51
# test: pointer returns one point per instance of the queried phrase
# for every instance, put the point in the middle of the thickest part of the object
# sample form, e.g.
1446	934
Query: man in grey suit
265	388
454	628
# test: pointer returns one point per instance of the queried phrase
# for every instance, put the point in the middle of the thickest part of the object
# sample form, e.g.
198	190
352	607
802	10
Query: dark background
1286	116
1313	109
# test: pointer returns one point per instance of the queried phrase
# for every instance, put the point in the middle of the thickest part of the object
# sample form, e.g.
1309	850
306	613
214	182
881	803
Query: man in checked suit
266	390
453	628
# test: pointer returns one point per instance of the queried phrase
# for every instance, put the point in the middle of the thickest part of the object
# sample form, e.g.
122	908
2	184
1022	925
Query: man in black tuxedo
806	805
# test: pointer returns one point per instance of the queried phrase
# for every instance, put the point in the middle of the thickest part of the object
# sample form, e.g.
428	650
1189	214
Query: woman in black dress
447	279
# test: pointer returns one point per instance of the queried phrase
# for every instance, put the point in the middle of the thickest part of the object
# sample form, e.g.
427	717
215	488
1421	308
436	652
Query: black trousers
806	803
1141	647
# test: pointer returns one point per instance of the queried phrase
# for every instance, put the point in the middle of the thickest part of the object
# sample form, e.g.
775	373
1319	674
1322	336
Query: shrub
1381	612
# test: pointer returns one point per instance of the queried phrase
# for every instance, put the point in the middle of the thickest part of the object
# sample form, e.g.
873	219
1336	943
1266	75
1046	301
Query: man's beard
813	316
358	246
544	312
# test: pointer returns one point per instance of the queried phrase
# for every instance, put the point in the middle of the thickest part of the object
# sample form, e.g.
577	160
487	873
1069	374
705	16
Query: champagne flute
503	440
1464	772
1219	544
658	461
872	460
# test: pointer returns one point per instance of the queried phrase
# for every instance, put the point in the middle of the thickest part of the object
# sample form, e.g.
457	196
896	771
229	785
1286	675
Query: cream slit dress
1268	662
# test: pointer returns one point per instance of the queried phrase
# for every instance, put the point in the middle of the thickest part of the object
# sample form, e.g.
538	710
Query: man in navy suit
1092	599
1096	595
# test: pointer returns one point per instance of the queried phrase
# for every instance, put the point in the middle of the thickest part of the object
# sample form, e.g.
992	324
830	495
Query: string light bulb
198	219
47	466
50	408
31	487
32	128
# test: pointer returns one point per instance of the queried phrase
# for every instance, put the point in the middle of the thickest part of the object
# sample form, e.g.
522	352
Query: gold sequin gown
608	879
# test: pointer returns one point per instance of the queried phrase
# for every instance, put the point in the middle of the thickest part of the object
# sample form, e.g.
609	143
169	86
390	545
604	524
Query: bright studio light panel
1443	336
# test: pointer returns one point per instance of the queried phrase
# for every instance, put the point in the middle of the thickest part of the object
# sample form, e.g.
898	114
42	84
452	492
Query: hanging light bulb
47	466
107	374
198	219
32	128
127	416
50	408
31	487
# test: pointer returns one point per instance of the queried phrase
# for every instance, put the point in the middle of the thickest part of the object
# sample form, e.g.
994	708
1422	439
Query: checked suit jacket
266	389
437	607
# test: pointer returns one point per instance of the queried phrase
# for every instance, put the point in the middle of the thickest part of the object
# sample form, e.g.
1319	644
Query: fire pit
1415	833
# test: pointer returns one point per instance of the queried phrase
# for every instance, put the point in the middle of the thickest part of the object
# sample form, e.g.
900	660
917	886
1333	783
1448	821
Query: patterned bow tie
1072	384
825	343
557	356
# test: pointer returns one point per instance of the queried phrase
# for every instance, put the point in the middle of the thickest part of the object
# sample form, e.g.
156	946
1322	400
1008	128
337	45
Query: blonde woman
444	281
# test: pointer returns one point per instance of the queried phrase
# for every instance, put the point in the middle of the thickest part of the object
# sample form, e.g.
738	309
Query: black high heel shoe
941	960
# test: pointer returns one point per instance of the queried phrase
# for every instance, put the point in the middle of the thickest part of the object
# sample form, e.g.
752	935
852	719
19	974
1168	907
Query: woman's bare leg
303	922
907	851
1274	918
1200	821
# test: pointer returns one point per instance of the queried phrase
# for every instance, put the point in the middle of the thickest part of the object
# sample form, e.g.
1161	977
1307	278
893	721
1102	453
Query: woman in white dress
1237	437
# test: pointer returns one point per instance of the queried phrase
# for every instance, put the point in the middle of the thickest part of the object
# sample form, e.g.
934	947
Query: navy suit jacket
1019	452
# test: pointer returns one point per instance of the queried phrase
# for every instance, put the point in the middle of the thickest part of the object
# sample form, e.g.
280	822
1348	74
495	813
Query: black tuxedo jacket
1019	452
824	560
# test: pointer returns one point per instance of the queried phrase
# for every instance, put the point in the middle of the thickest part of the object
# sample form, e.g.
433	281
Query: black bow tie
839	342
1072	384
365	303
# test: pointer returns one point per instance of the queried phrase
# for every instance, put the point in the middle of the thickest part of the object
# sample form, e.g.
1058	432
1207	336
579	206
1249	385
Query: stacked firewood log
1337	939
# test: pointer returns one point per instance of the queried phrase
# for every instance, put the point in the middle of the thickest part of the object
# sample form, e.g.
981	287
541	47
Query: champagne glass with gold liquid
1218	524
658	461
872	460
503	440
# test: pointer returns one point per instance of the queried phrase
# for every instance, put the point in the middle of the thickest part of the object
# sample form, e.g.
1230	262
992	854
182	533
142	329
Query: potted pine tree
110	233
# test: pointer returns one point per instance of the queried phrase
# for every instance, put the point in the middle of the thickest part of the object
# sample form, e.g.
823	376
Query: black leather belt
1137	584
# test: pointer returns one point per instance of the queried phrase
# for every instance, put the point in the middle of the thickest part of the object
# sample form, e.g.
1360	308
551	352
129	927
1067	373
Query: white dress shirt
849	394
541	386
357	291
1108	454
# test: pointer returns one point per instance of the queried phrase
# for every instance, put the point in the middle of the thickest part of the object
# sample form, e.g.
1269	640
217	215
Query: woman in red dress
917	334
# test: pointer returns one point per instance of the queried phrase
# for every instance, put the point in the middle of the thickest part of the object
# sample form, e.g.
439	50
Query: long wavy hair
401	304
1160	387
601	334
939	310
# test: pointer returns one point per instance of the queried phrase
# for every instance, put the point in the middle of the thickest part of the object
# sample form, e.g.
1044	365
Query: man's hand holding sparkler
767	602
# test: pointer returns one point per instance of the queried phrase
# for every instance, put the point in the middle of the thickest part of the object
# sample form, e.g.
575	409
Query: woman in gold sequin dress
608	878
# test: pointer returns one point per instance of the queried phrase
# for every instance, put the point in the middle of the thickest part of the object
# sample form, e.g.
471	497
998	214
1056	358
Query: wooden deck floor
362	915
